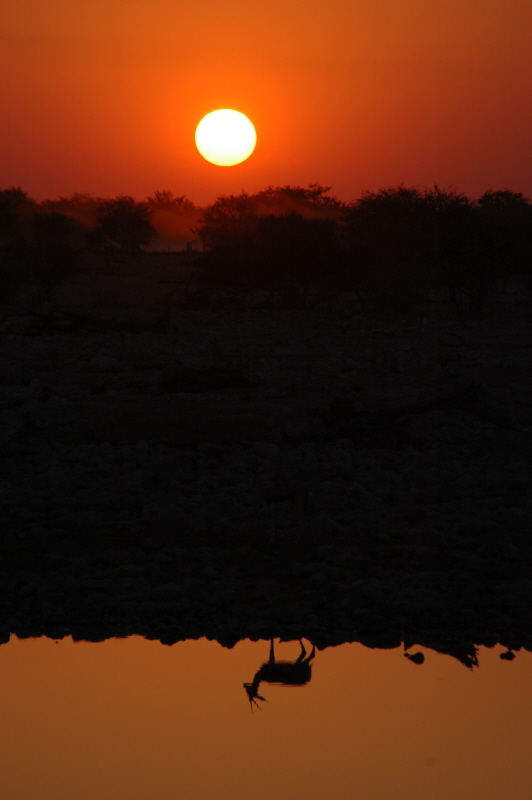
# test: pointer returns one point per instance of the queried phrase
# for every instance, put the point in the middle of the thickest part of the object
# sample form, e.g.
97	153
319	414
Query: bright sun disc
225	137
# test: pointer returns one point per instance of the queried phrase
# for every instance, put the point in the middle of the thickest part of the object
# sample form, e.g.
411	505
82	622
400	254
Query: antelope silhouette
291	673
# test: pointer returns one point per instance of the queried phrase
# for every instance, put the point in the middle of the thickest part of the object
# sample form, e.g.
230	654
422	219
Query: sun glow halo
225	137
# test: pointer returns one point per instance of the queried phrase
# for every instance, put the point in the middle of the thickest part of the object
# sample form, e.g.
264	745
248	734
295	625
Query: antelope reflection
291	673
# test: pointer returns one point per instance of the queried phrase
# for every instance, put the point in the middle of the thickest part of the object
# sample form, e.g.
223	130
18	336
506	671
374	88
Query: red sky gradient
104	97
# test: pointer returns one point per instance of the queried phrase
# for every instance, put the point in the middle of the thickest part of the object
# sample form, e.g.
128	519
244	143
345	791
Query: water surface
130	719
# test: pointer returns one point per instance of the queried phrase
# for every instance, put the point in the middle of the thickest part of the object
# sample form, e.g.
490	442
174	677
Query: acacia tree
125	223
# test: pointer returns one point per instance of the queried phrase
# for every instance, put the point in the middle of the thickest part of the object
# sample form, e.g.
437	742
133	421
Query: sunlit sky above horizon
104	97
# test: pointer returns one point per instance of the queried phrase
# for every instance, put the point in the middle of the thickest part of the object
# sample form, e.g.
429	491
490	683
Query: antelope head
253	696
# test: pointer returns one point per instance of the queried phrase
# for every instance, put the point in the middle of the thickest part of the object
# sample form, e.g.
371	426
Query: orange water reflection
132	719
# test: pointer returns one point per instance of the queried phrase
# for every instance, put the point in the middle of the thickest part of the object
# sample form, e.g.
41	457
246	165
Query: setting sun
225	137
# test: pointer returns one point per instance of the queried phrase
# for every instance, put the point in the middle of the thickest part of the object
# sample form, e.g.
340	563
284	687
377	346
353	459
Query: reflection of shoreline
91	607
172	594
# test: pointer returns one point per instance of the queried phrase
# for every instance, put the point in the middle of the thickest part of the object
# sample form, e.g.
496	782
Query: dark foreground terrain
314	474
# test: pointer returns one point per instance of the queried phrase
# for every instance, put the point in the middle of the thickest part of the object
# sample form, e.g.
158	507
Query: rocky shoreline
271	473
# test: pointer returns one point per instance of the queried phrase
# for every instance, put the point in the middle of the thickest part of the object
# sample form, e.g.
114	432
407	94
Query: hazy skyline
105	97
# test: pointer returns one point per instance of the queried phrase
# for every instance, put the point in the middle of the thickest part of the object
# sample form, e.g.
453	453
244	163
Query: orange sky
105	96
131	719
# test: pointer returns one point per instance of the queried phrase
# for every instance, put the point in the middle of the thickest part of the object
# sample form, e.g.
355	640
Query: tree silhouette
506	220
53	250
294	254
168	200
396	246
16	210
80	206
481	244
389	234
229	222
407	241
281	239
125	223
173	218
231	219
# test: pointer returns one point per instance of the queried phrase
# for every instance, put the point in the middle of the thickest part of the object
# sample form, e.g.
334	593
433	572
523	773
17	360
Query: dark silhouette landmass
394	249
393	589
312	422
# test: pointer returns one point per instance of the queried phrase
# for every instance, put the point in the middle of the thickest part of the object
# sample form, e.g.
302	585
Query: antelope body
291	673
